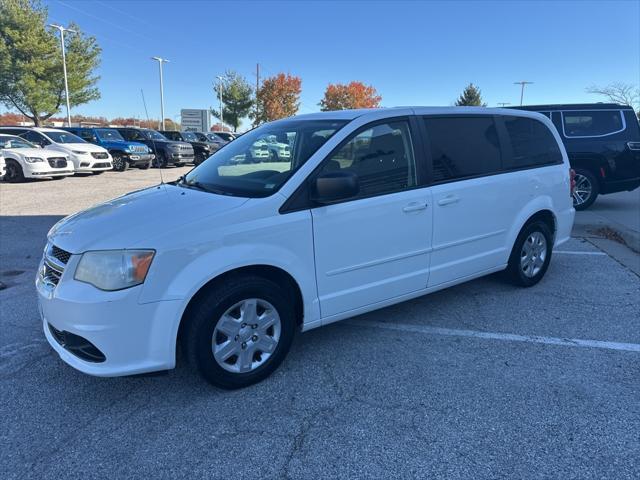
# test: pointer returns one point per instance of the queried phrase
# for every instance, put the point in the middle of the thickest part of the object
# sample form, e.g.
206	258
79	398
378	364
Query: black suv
201	149
603	144
166	151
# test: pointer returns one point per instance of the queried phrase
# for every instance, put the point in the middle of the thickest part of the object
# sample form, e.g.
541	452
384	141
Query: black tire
146	166
204	315
14	173
179	164
160	161
585	180
119	163
515	271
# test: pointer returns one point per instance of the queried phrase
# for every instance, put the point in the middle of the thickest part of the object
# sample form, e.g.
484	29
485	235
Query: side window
35	137
532	143
382	158
592	123
463	147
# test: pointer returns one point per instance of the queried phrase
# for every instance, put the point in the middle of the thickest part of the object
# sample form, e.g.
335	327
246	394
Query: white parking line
510	337
567	252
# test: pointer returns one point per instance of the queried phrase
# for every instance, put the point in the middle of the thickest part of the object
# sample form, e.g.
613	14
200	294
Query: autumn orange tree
352	95
277	97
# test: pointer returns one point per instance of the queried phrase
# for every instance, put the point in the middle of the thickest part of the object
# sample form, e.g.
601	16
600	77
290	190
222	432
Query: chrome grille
139	149
60	254
53	265
57	162
50	275
99	155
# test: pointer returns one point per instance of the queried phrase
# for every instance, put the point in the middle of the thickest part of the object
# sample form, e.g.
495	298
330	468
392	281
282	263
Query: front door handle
449	199
415	206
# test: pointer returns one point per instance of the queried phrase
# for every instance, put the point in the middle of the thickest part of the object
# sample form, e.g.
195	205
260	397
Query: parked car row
34	152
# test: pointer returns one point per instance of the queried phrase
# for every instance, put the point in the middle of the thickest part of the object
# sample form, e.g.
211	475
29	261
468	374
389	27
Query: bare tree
618	92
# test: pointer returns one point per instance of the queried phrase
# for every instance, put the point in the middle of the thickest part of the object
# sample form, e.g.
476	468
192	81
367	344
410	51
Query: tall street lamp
522	84
160	62
221	79
61	29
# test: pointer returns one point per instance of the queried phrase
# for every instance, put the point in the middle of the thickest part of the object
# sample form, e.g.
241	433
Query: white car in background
2	167
23	160
86	157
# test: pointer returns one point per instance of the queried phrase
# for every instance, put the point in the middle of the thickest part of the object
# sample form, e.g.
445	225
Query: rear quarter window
532	144
592	123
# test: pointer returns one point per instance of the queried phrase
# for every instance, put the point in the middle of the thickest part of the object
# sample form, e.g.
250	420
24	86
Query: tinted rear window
592	123
463	147
532	143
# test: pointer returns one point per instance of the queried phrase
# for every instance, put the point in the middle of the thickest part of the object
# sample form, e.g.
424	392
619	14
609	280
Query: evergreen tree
470	97
237	99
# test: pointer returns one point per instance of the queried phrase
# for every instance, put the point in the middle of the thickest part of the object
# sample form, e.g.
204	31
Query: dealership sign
195	120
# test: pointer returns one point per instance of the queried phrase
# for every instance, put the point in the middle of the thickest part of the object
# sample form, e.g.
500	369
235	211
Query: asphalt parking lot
483	380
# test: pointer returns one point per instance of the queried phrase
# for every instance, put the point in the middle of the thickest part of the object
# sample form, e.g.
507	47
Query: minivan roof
573	106
352	114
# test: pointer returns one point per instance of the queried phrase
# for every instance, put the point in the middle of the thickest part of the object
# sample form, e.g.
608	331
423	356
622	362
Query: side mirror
334	186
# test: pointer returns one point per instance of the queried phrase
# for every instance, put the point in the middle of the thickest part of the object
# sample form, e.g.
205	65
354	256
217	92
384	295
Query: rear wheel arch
269	272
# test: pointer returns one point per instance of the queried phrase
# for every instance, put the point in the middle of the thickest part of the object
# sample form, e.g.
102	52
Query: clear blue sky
413	53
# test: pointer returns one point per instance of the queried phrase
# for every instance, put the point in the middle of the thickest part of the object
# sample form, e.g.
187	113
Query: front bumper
179	157
133	337
89	164
139	158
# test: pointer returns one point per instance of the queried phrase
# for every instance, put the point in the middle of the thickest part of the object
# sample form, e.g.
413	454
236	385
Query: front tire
159	161
119	163
531	254
239	332
586	190
14	173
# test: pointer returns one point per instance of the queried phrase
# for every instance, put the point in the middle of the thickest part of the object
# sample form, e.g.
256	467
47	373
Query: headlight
79	152
33	159
114	269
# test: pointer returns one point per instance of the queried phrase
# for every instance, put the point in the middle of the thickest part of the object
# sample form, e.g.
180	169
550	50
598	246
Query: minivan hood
126	221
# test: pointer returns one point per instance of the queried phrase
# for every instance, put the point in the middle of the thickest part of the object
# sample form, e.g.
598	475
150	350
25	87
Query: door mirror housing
331	187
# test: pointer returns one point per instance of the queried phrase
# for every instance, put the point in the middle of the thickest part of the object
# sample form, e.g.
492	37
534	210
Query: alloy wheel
246	335
533	254
582	191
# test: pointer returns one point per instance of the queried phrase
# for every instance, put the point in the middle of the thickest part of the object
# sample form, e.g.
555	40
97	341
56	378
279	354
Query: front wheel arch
269	272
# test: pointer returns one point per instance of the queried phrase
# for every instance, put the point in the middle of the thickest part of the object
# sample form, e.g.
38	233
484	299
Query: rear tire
586	190
14	173
227	308
531	254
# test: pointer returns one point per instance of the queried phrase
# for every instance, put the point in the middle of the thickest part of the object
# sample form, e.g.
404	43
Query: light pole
160	62
221	79
61	29
523	83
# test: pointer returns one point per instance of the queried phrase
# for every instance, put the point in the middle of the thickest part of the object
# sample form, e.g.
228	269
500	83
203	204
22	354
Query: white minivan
86	157
372	208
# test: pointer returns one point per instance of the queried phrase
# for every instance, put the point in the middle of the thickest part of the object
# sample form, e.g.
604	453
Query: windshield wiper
200	186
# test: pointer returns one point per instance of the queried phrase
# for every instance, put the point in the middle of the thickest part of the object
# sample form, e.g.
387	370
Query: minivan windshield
251	167
109	135
63	137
